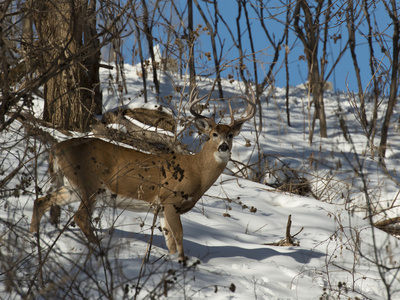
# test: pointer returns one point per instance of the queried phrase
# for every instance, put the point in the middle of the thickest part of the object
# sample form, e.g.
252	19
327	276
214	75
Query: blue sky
343	77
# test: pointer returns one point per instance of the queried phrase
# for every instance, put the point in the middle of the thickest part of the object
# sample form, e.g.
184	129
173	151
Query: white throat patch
222	157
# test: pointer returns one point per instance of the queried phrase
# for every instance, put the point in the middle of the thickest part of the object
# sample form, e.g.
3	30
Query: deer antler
193	100
250	110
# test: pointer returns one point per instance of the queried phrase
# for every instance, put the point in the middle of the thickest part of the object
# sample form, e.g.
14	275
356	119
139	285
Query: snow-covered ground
226	235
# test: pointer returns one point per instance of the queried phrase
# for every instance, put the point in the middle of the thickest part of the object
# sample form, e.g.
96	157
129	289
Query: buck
86	168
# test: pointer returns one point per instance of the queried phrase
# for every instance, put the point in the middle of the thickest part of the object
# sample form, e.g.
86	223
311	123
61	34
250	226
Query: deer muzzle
223	147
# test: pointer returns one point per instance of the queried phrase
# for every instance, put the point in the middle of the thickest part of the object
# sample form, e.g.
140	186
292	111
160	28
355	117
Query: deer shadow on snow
207	253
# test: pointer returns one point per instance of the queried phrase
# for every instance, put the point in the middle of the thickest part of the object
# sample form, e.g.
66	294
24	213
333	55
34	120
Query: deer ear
203	125
235	130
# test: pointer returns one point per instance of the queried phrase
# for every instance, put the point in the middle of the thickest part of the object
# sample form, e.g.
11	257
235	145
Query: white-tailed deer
85	168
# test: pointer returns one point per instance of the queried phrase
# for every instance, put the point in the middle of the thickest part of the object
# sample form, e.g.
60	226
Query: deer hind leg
61	196
173	231
83	217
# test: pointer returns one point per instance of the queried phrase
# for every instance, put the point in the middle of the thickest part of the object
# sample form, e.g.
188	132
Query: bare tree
148	23
70	57
260	9
309	34
175	27
239	45
17	62
391	8
251	41
140	50
286	34
373	70
276	45
212	31
351	16
190	40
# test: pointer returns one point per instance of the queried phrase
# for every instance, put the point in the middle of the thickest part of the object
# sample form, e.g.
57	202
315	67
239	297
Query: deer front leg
169	239
173	231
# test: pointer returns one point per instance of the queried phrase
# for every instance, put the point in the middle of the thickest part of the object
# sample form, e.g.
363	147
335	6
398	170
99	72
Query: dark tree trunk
149	36
393	81
70	59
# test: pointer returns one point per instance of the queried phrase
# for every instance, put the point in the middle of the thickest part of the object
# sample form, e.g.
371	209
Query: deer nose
223	147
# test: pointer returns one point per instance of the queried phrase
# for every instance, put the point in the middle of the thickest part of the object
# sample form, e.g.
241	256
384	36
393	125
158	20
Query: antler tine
250	110
193	100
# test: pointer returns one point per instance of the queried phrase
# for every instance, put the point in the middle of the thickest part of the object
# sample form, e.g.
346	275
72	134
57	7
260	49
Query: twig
288	241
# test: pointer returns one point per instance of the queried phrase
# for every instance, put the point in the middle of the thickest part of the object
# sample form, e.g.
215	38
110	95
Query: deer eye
215	134
230	135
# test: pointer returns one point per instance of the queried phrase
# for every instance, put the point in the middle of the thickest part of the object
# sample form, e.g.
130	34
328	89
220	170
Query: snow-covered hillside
226	236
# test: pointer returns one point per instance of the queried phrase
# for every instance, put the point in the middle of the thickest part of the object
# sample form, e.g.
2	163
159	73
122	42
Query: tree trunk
309	34
393	81
375	87
70	59
137	35
316	85
149	36
350	18
191	39
92	61
318	98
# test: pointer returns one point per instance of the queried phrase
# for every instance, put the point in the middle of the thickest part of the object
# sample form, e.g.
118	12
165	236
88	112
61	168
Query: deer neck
209	165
